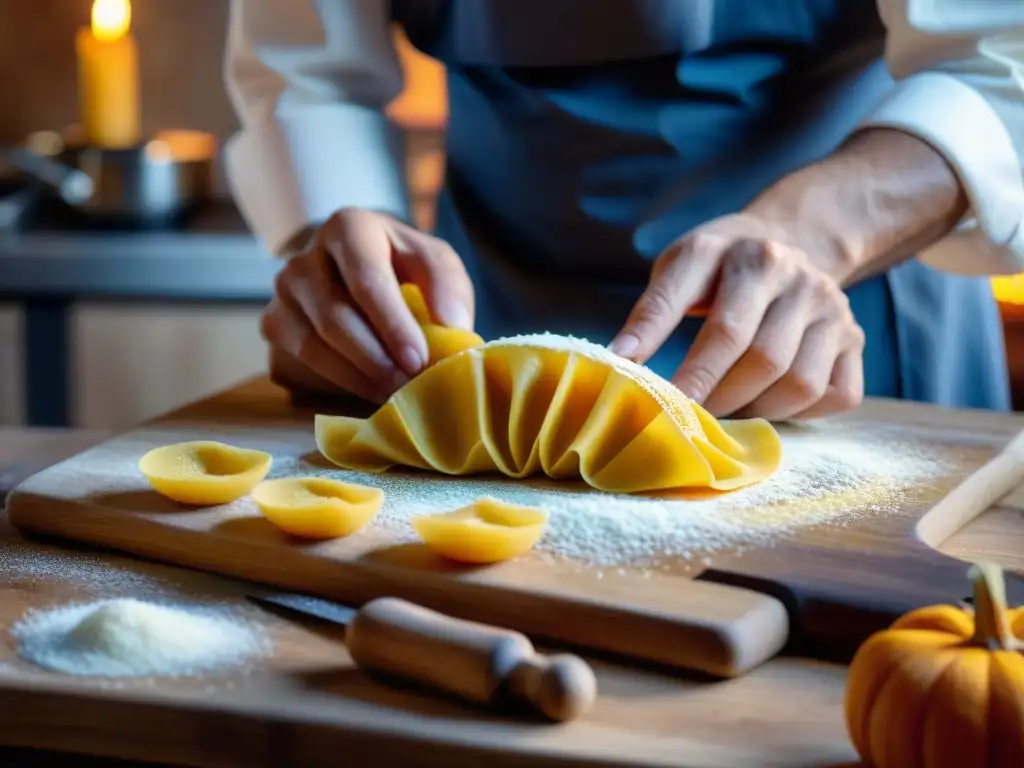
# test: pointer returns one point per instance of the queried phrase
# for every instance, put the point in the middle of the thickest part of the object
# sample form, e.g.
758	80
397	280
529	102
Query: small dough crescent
204	472
557	406
487	531
317	507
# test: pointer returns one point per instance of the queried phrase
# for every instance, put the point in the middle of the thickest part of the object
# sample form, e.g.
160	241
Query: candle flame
111	19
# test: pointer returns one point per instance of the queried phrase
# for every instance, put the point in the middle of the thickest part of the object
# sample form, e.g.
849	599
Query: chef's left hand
779	340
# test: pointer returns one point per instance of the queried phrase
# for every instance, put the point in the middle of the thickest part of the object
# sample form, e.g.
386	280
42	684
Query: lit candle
108	76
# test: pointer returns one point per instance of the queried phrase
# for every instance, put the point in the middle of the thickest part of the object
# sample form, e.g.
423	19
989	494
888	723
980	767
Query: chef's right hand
338	312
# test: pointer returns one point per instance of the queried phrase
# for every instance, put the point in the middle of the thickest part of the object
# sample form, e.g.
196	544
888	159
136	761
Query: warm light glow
1009	289
48	143
424	101
111	19
159	151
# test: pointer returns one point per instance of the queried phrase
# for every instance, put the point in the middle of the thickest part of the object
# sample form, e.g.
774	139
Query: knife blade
307	606
488	665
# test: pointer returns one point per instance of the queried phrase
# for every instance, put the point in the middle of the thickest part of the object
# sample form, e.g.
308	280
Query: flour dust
829	474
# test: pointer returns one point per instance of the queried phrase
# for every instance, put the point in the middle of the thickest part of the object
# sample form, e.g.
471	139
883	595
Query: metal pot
152	185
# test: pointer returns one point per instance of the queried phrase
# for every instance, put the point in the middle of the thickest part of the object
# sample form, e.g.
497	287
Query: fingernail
411	360
692	391
625	345
457	316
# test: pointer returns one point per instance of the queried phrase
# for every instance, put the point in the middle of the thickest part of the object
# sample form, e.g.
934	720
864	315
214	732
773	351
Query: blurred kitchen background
105	326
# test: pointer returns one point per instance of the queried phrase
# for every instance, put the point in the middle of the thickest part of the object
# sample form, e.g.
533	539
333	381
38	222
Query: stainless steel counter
213	258
179	266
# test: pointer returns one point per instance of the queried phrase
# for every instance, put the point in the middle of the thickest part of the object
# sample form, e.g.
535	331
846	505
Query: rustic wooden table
789	708
23	452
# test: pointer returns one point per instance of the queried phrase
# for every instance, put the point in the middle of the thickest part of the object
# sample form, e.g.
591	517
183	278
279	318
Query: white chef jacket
310	80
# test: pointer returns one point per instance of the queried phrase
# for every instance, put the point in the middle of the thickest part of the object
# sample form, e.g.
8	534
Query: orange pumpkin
943	686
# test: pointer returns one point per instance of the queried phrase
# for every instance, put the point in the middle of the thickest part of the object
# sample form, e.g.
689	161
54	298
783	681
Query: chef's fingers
806	296
752	275
681	276
286	371
846	389
311	282
769	357
807	379
359	242
433	265
285	326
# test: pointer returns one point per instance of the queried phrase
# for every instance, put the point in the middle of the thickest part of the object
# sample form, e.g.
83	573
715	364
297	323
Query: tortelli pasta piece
559	406
442	341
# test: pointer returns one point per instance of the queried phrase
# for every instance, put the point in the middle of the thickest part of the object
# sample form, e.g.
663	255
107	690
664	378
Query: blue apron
584	137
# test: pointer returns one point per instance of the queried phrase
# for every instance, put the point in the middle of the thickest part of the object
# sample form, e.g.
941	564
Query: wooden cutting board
840	583
307	705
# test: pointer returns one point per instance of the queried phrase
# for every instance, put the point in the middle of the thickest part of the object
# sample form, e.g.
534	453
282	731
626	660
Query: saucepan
18	200
155	184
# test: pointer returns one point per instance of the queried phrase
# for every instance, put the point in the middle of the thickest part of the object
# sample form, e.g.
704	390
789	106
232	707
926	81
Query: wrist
875	201
798	211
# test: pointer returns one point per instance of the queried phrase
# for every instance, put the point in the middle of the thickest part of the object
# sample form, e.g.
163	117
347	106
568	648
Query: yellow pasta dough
315	507
204	472
487	531
559	406
442	341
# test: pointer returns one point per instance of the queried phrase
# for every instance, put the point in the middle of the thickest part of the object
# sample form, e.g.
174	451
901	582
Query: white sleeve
309	81
959	66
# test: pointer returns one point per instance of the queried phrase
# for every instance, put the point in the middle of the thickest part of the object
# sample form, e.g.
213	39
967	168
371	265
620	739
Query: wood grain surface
24	452
714	628
838	583
307	704
787	712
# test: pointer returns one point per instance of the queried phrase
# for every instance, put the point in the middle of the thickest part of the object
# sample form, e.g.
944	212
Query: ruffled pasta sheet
557	406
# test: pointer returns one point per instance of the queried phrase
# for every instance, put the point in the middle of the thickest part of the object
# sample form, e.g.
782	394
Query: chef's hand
338	316
779	340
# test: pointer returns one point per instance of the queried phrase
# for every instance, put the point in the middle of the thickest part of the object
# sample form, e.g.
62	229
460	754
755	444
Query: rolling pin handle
476	661
562	687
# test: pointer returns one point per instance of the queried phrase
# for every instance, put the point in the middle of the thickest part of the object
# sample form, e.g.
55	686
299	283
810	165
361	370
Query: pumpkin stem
991	625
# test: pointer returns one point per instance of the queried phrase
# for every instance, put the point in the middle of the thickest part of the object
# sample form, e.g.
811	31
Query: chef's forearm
873	203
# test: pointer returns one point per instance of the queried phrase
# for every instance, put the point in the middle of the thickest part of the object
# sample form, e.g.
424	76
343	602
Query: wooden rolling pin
976	494
484	664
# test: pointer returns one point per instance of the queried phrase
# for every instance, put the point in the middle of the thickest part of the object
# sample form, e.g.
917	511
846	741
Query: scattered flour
120	637
25	562
829	474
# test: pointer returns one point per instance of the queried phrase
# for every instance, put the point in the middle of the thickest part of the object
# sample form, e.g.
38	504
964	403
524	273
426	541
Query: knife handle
478	662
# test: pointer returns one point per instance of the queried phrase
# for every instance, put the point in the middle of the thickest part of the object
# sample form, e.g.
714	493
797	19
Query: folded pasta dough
555	405
442	341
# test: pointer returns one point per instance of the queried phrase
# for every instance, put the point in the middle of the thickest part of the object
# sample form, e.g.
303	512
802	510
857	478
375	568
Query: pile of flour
129	637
